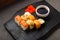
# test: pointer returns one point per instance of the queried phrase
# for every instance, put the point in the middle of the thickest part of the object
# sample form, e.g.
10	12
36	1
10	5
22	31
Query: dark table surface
7	12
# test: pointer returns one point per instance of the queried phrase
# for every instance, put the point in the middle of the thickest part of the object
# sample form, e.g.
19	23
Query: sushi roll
41	21
18	19
28	20
37	24
31	17
21	22
27	14
30	23
24	25
24	17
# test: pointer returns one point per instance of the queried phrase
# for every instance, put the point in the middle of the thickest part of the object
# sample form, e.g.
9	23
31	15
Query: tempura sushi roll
31	17
37	24
18	19
30	23
24	25
24	17
41	21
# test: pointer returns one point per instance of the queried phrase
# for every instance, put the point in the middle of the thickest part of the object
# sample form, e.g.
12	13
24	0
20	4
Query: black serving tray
50	22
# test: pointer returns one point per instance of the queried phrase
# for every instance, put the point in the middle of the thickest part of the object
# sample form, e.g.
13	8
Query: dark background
6	13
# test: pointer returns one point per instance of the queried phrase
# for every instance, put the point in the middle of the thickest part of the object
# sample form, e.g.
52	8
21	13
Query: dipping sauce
42	11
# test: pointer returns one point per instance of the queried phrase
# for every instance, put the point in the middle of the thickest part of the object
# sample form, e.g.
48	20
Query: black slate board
18	34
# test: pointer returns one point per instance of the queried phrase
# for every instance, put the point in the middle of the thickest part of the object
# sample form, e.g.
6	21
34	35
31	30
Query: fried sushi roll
25	16
37	24
30	23
31	17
